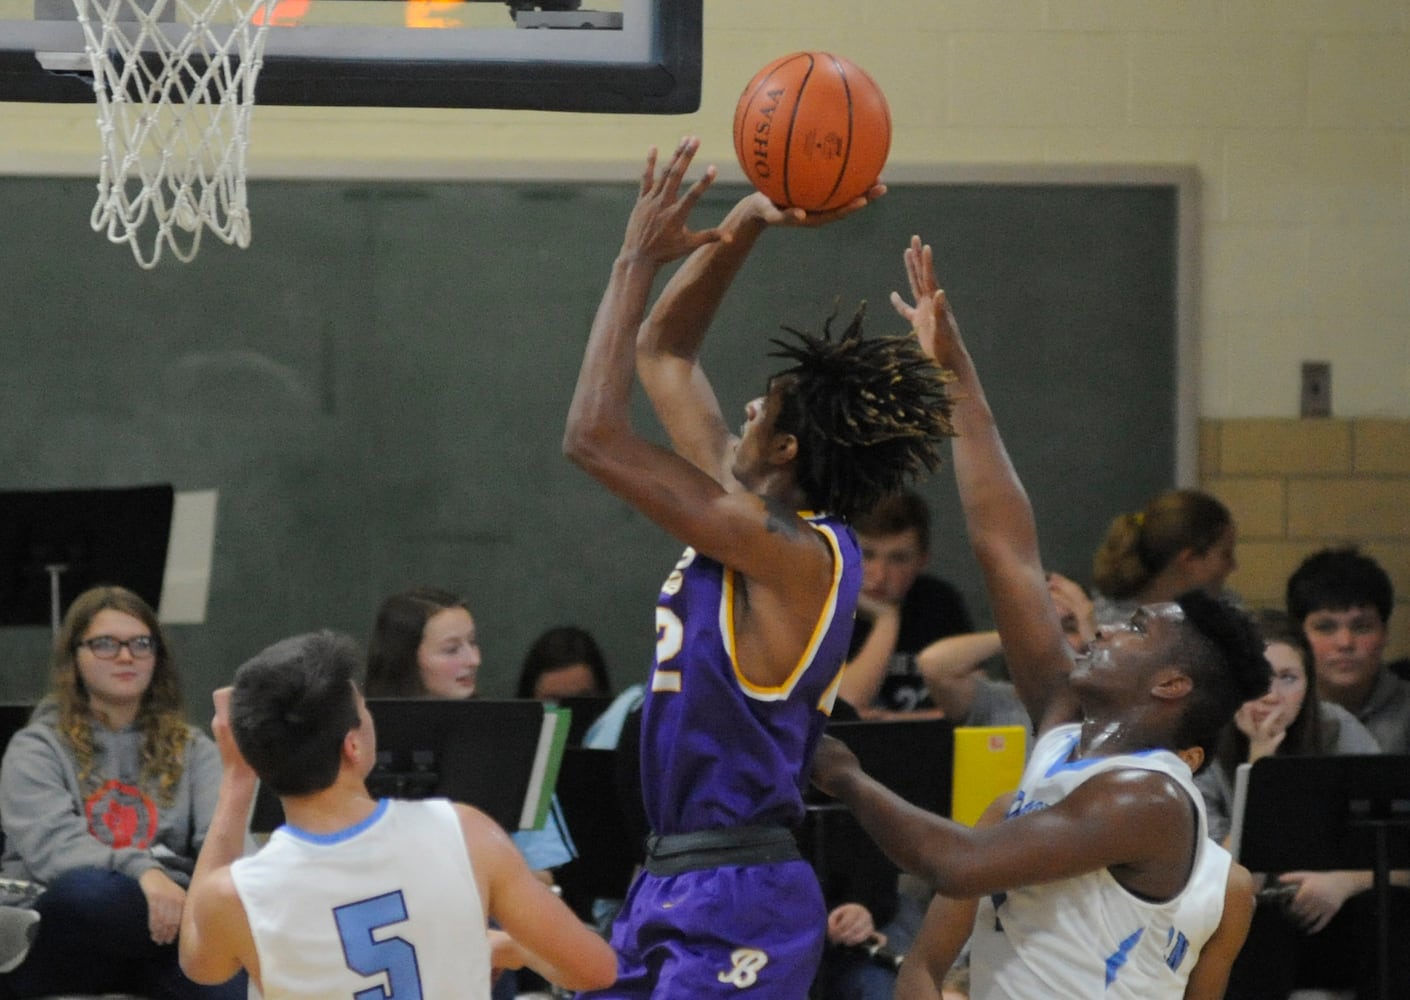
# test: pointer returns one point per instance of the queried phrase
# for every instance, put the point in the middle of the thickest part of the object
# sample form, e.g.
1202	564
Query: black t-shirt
931	609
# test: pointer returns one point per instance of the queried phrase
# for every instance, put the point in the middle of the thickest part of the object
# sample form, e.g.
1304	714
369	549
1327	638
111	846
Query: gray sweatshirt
52	826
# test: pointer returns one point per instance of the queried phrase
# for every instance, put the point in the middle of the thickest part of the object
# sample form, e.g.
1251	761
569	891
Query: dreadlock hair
867	413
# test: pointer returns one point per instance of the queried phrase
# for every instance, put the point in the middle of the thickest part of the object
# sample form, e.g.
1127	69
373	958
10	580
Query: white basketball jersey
388	907
1088	936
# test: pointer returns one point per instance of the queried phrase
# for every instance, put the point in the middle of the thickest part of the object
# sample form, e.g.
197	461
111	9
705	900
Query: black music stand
479	751
55	544
609	849
586	709
1332	813
915	758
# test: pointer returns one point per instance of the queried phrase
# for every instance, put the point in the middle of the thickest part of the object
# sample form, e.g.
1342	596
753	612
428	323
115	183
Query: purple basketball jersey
716	750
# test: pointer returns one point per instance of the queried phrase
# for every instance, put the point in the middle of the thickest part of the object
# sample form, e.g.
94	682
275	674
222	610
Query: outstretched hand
929	314
657	229
778	215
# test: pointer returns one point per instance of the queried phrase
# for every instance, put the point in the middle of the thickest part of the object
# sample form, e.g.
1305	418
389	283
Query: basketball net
173	115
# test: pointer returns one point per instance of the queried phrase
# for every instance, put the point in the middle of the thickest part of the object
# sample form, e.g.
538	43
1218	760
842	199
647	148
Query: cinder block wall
1295	486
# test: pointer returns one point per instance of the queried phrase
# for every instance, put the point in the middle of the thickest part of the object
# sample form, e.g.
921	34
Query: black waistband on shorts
737	845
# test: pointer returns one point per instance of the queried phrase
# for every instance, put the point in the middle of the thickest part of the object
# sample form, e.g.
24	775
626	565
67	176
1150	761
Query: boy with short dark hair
354	896
1343	598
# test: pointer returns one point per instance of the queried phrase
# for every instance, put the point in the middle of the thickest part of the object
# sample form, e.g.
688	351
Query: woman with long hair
106	797
1310	928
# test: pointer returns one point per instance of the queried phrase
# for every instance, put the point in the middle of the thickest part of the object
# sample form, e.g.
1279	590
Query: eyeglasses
105	647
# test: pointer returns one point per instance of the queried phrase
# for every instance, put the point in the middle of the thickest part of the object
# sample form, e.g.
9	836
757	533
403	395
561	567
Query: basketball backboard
611	56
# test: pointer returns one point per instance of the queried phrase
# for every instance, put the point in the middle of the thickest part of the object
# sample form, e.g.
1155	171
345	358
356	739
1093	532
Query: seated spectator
564	662
425	644
1182	540
106	797
1342	599
1311	928
901	610
1289	720
954	667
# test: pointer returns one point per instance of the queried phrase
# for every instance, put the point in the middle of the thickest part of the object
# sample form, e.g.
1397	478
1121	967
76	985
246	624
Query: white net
175	83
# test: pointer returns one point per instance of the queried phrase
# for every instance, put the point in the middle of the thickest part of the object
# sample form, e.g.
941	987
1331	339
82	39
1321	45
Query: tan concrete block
1358	80
1242	80
1273	446
1258	504
1381	446
1208	449
1050	79
1132	15
1258	16
1264	567
1357	509
1394	557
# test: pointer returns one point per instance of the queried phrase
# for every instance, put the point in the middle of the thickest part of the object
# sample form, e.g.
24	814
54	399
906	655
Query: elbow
190	967
595	445
599	972
189	958
582	448
579	441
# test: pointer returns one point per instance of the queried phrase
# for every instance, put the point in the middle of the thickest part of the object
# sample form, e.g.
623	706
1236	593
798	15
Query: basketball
812	131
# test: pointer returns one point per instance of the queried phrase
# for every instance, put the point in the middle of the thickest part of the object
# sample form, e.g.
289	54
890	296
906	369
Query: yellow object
988	762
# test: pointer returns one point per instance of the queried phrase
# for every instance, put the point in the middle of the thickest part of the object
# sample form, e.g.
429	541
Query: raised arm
770	545
215	941
997	512
668	344
599	436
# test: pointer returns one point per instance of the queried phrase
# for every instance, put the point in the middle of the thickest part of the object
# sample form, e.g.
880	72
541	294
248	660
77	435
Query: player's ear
1193	756
1171	684
352	746
785	448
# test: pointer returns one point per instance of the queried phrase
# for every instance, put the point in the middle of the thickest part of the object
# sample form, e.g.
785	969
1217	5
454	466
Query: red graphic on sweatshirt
120	815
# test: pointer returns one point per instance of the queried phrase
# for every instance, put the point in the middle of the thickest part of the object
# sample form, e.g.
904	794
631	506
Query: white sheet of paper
187	582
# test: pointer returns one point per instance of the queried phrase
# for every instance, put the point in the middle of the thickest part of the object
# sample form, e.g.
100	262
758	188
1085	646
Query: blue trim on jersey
1063	764
338	836
1115	961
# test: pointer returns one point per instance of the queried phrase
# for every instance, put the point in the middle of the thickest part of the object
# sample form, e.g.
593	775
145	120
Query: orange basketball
812	131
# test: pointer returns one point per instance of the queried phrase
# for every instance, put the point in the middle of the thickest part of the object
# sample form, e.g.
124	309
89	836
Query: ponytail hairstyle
1138	546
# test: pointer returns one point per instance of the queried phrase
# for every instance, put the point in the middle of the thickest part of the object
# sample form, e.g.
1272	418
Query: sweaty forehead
1167	611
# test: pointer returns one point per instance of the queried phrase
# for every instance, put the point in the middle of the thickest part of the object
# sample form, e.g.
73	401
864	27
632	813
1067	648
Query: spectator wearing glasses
105	798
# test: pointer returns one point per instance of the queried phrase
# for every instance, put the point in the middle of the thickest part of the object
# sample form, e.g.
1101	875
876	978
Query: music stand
912	757
608	848
586	709
479	751
1331	813
55	544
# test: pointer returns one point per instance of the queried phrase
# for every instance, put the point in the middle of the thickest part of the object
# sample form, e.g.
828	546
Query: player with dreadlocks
753	623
